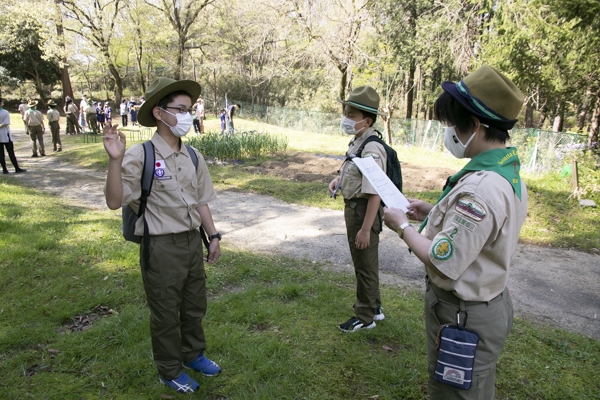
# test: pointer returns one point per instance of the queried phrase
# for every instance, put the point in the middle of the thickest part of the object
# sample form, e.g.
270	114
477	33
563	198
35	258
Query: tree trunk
409	93
67	89
387	124
138	57
529	116
557	125
179	67
582	113
542	120
343	83
118	90
593	140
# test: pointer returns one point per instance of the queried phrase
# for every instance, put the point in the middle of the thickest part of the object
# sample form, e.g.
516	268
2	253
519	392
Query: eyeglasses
181	110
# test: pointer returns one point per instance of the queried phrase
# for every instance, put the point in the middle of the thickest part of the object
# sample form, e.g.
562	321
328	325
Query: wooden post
575	175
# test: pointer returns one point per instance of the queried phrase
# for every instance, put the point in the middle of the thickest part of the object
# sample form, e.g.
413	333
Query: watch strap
402	228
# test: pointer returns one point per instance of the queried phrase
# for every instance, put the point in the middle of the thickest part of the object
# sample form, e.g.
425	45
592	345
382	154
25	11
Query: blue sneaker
204	365
183	384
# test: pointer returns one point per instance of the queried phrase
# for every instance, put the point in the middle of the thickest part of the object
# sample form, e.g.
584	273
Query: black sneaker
379	316
20	170
354	324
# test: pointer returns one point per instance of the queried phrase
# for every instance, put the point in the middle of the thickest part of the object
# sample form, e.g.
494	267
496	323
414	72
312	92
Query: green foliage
22	54
240	146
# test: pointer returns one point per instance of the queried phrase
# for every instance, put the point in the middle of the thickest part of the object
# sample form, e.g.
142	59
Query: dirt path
560	287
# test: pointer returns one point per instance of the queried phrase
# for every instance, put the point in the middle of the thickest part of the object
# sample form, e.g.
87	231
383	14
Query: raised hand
114	141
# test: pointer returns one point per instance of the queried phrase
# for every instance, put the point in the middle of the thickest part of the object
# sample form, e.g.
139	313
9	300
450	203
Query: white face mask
453	143
349	126
184	123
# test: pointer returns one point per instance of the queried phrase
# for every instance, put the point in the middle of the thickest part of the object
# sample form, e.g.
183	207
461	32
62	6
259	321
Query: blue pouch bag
456	356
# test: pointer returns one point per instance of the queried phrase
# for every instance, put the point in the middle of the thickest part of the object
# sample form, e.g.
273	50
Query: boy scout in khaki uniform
90	116
472	230
173	275
362	211
53	116
34	120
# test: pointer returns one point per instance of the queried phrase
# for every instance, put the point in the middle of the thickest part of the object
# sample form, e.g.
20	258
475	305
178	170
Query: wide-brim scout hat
51	103
364	98
489	95
32	103
160	88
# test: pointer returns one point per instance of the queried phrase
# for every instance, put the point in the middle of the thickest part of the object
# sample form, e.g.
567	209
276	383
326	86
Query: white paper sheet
384	187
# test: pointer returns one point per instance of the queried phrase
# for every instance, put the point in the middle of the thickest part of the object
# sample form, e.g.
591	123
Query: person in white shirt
6	141
82	106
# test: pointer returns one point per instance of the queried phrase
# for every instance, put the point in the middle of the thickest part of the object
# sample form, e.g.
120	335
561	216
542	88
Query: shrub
240	146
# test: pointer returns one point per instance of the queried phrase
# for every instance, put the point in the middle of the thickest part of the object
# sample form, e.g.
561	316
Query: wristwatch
215	236
402	228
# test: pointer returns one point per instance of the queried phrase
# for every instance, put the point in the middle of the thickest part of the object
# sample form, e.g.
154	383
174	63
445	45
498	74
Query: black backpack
130	217
392	166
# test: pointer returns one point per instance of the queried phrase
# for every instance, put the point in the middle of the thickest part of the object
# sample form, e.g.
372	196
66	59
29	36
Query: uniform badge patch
472	209
442	250
374	156
159	168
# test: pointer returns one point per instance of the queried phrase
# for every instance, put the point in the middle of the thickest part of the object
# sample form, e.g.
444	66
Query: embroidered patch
454	375
374	156
442	250
460	221
159	168
471	208
163	178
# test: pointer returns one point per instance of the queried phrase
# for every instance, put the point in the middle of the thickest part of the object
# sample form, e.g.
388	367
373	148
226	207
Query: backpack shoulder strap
148	170
372	138
193	155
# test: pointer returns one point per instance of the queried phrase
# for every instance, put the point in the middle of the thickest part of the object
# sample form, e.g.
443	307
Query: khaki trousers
37	136
55	130
72	124
366	262
491	320
92	122
175	285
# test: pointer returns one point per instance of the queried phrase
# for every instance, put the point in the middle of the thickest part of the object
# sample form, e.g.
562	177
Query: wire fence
539	150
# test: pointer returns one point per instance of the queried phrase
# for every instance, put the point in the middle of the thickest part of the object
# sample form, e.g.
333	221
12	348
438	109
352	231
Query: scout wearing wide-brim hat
160	88
489	95
32	103
364	98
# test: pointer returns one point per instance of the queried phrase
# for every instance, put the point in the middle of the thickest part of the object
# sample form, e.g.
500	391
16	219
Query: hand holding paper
384	187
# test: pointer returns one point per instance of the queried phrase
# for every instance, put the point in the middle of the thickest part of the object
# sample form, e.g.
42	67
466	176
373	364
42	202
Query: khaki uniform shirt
475	230
34	118
72	109
53	115
177	190
354	184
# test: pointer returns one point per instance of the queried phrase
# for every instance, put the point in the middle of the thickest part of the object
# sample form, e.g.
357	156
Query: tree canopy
306	54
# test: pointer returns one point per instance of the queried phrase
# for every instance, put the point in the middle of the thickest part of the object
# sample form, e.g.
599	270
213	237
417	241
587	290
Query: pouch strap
461	322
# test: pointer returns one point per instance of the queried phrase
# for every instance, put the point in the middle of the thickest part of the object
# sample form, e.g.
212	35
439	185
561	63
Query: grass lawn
74	324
